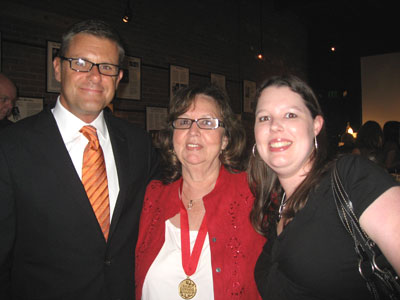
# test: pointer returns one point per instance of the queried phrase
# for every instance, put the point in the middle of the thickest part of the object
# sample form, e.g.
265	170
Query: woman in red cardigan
195	238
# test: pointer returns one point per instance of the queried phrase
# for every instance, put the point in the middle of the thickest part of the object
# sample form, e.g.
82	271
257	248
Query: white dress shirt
75	142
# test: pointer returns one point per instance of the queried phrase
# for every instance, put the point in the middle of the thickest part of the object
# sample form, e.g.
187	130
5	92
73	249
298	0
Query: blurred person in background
391	146
8	96
369	142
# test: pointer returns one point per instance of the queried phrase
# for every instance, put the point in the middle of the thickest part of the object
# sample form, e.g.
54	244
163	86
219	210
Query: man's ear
57	68
120	75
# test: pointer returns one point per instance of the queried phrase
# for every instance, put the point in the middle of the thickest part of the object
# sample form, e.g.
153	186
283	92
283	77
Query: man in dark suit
52	245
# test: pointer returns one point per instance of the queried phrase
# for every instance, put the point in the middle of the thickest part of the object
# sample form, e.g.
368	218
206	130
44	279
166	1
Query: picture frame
156	118
53	86
249	93
219	80
25	107
130	84
178	78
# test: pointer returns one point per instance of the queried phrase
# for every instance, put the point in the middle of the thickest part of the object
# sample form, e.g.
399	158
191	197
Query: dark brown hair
97	28
264	182
232	156
370	136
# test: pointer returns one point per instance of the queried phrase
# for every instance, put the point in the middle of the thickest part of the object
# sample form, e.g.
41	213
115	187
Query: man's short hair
96	28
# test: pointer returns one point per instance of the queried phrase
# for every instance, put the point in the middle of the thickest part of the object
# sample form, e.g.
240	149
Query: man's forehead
7	90
86	45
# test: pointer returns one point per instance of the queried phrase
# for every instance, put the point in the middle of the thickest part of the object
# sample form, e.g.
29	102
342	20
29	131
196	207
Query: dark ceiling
355	29
366	27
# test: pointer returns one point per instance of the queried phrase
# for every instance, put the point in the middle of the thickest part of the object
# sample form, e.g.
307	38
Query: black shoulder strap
346	213
365	248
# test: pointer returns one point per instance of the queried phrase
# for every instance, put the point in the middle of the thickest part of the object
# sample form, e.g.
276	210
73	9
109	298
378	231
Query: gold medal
187	289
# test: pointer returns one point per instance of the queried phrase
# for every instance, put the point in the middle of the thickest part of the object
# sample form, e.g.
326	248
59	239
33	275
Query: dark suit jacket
5	123
51	246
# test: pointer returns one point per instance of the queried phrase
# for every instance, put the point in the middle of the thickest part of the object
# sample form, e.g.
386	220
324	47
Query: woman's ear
318	123
224	142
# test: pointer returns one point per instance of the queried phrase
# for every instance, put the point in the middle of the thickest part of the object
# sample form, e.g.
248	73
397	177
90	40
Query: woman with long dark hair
309	254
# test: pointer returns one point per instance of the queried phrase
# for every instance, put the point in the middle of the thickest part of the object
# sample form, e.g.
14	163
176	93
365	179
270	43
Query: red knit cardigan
234	244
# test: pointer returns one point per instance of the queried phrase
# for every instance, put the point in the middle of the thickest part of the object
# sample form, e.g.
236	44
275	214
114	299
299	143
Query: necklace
282	205
190	204
191	201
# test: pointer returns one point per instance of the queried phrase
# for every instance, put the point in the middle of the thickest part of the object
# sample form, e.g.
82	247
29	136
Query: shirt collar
69	124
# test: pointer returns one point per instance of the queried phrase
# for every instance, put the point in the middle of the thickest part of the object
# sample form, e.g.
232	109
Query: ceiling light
127	14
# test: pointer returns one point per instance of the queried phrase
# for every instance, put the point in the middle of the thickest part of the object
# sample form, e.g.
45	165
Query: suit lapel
59	161
121	154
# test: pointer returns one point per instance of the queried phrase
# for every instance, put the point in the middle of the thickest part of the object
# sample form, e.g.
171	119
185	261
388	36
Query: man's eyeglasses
83	65
202	123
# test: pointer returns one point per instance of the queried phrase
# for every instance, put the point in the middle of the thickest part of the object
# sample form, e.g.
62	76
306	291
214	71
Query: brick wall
220	36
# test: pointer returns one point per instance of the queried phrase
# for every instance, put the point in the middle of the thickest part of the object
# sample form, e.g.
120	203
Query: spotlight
127	15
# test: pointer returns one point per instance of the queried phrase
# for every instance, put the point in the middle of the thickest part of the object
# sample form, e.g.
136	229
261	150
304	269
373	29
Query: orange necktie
94	178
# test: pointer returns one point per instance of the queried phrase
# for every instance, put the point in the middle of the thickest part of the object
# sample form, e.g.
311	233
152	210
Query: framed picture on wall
249	93
52	51
218	80
130	84
25	107
178	78
156	118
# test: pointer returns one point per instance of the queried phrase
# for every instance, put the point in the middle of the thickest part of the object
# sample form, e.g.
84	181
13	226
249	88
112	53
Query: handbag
382	281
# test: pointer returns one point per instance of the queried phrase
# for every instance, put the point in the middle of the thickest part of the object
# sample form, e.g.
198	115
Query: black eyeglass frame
70	59
219	123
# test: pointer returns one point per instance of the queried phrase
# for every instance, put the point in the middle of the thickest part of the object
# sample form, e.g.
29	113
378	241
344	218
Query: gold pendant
187	289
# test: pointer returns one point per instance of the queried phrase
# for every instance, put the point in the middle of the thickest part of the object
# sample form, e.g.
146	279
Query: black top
314	258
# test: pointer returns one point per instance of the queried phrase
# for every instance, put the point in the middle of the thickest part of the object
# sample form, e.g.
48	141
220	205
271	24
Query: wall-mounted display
178	78
218	80
130	84
52	51
25	107
156	118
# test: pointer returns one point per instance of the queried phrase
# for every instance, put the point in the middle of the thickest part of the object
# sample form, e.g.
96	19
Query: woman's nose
276	125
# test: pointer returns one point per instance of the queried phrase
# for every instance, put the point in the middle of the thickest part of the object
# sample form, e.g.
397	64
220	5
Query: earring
315	142
254	150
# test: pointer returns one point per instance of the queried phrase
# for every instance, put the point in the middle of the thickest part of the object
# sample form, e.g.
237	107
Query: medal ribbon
190	261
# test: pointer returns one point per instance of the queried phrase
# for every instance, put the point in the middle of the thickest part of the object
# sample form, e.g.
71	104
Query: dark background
214	36
356	29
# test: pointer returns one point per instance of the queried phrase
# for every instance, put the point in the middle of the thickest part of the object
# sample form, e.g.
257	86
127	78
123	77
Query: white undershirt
166	272
75	142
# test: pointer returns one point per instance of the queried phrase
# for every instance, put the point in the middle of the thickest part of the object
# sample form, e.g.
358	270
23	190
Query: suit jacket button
107	262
